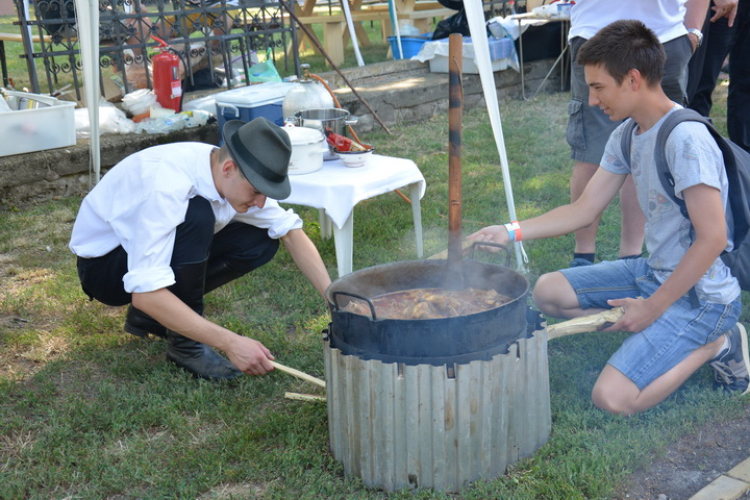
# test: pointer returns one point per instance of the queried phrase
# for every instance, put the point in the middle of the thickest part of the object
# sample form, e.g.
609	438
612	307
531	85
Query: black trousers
719	41
241	247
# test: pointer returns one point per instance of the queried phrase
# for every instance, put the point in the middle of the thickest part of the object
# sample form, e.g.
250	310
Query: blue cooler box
253	101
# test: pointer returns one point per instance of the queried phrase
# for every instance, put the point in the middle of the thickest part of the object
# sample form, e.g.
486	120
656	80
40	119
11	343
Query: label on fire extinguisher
176	89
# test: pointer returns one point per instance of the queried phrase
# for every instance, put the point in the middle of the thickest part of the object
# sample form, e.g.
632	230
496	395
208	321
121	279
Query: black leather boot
197	358
141	324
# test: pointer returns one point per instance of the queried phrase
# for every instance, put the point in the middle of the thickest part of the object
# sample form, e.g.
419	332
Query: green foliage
88	411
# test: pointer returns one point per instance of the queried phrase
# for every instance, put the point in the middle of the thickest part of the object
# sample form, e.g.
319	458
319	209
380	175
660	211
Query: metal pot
332	119
308	148
434	341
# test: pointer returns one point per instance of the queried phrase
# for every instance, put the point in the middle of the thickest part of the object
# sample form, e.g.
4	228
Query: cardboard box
113	91
48	127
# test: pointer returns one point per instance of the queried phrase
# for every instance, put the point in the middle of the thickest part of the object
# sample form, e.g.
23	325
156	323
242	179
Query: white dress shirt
140	202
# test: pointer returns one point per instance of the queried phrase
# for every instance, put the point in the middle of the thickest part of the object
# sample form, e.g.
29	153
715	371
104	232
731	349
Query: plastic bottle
306	94
408	29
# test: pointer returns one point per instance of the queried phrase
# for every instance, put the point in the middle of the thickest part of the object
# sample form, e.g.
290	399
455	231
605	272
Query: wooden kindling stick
299	374
304	397
591	323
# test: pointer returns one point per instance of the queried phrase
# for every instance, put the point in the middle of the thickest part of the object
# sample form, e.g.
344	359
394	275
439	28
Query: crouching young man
672	334
170	223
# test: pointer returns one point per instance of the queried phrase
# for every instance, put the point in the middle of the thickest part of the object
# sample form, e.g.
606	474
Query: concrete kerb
398	91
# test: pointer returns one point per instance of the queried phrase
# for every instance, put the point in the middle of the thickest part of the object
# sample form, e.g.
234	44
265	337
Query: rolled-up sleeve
151	244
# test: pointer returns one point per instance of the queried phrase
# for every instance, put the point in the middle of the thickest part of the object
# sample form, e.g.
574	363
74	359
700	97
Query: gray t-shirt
693	158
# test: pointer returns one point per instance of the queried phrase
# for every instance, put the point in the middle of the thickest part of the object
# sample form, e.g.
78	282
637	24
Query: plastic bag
265	71
4	105
457	23
112	120
173	122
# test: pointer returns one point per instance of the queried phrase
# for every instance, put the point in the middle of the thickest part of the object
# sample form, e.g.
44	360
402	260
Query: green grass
88	411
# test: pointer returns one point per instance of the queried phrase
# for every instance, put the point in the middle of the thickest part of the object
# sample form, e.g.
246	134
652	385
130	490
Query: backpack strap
625	143
660	150
660	160
627	139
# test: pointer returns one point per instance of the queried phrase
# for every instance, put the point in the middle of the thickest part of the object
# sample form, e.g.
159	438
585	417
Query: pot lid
301	136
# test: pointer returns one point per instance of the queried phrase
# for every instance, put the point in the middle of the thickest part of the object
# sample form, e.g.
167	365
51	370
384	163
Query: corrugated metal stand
441	427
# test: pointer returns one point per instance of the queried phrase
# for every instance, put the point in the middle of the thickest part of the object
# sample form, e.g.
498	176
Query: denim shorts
645	356
588	127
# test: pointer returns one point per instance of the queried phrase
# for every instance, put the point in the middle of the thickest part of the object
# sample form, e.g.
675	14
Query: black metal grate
197	30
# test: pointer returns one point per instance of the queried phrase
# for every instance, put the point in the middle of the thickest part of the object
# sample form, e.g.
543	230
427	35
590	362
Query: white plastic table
335	189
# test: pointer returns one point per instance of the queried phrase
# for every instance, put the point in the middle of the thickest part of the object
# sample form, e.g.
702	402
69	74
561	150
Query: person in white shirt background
170	223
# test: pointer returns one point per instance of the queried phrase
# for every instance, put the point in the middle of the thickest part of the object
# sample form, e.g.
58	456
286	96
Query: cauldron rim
435	263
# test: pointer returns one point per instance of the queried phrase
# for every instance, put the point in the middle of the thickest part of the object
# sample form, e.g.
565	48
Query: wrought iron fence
215	40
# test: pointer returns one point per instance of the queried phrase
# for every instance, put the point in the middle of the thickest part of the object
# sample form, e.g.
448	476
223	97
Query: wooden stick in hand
299	374
591	323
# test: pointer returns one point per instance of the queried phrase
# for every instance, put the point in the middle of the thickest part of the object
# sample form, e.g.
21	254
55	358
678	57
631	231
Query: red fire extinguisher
167	81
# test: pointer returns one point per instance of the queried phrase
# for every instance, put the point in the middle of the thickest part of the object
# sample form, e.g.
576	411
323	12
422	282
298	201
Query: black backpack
737	164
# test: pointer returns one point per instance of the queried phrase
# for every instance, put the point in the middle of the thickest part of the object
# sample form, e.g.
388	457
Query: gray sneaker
732	366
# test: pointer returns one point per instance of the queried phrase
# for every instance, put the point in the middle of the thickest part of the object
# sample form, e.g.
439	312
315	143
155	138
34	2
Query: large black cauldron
460	339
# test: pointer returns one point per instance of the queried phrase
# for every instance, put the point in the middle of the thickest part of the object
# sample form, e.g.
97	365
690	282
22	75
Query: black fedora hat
262	150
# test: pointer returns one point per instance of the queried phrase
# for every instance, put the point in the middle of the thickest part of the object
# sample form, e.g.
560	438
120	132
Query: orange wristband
514	231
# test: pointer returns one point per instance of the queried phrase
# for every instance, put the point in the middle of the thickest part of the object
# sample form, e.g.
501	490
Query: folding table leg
325	224
416	210
343	239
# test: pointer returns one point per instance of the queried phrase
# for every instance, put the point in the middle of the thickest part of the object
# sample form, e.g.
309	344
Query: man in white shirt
172	222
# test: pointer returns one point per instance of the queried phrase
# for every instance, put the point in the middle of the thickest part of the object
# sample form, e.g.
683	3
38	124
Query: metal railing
208	35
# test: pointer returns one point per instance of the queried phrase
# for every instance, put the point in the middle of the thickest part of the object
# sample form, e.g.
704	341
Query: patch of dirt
693	462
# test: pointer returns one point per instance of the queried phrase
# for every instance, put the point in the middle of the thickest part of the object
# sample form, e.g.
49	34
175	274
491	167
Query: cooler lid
261	93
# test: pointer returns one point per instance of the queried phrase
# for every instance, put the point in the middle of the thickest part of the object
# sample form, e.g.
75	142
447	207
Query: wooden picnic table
336	34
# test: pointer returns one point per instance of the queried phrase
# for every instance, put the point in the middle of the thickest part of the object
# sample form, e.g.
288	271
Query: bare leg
615	393
554	296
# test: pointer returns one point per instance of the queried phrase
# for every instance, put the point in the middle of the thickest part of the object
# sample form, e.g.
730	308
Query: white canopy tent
352	32
87	13
475	16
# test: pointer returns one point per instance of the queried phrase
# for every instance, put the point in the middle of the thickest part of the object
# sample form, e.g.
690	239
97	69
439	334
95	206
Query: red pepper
339	142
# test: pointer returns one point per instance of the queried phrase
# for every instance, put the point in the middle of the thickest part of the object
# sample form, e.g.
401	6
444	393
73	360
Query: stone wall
398	91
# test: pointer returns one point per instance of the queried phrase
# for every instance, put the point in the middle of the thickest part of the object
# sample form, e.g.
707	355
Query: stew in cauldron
430	303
